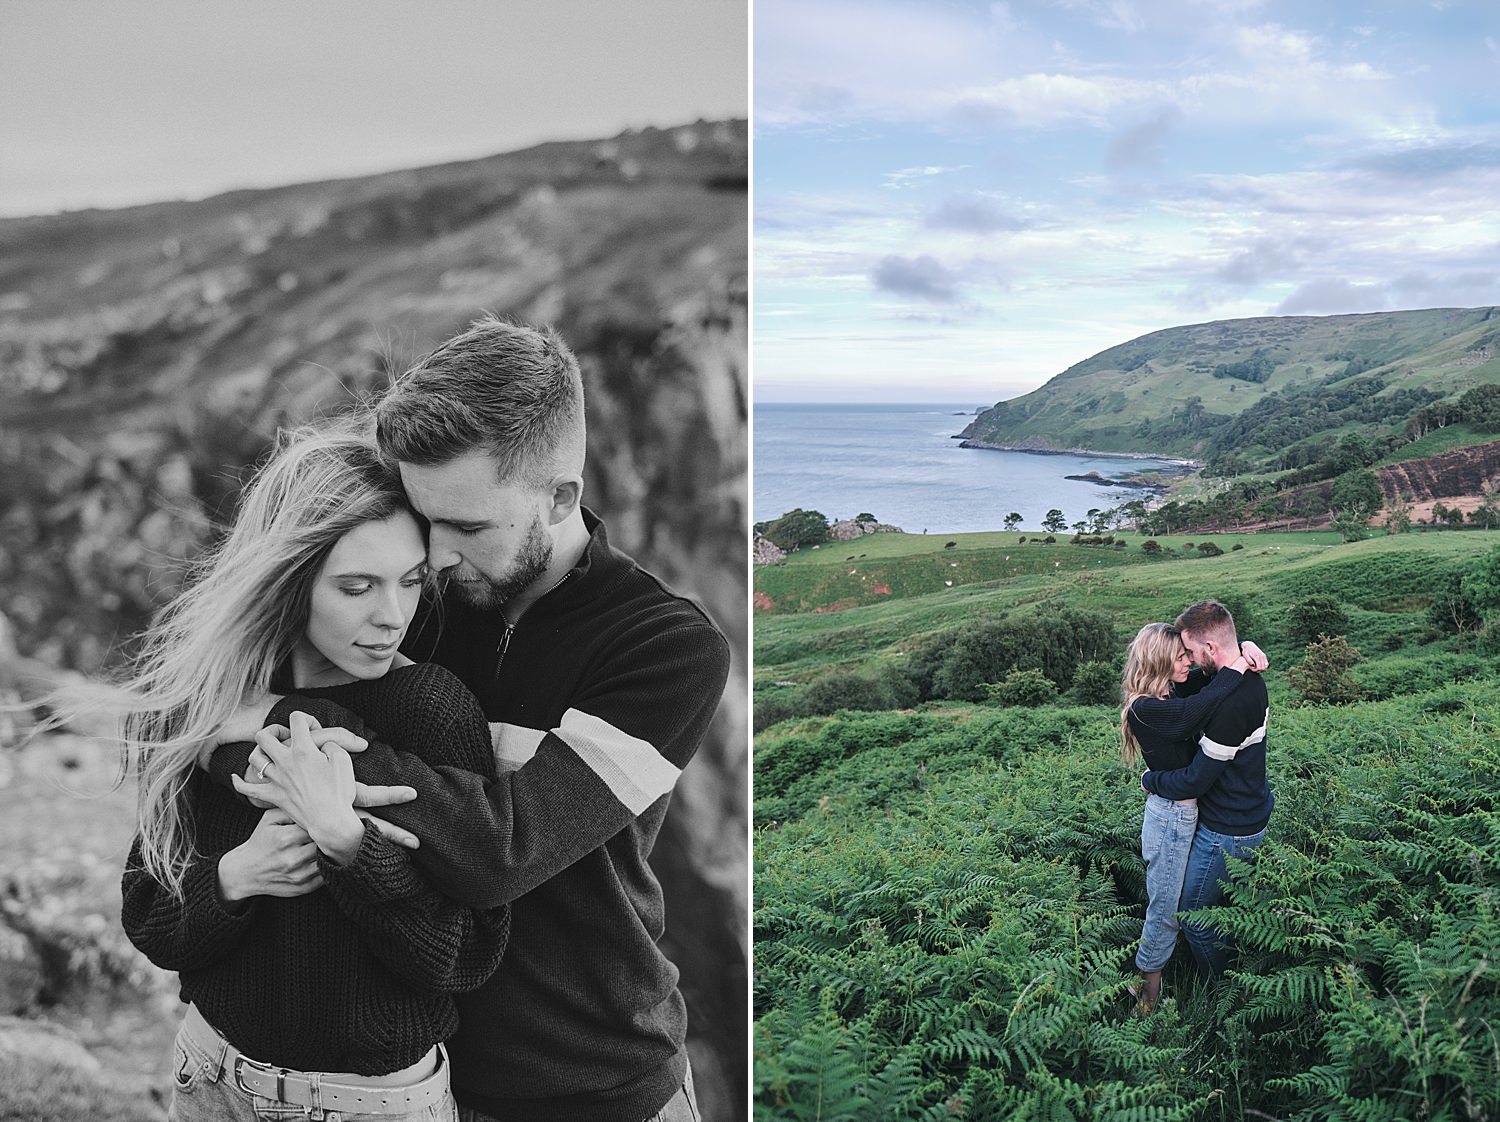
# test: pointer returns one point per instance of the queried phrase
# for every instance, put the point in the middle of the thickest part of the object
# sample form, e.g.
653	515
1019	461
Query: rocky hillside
148	355
1254	388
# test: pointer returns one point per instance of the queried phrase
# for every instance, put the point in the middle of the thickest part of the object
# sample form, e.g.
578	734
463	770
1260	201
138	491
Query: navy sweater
1167	728
1227	774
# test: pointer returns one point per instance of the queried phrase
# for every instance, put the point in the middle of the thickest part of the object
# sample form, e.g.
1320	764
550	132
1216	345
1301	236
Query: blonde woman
1167	703
318	965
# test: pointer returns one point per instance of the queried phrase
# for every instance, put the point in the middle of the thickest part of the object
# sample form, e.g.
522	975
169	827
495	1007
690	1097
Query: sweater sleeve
1228	731
187	934
422	935
1182	718
617	752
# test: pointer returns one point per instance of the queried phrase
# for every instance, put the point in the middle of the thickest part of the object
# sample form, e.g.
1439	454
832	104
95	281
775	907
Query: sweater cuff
379	870
214	914
1148	781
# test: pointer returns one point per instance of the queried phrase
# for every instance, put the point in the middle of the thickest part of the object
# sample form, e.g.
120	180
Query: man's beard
530	564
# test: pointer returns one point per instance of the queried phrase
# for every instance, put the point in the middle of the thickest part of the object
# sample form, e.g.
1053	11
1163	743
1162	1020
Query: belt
309	1090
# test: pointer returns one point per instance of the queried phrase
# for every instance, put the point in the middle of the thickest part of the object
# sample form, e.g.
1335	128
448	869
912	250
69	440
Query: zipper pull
503	646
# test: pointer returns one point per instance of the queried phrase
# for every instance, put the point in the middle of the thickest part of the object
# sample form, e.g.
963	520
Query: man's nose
441	553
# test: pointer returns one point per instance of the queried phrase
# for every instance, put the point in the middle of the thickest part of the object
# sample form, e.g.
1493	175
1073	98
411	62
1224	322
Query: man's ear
567	495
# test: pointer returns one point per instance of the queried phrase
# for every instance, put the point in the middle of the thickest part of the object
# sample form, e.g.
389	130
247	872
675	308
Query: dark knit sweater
597	699
357	976
1167	728
1227	774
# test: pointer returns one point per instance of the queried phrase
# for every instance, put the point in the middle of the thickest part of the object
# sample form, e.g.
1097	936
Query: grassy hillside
948	896
1176	392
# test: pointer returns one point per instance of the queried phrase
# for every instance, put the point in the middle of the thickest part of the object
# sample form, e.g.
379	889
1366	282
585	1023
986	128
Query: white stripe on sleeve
635	772
513	745
1216	751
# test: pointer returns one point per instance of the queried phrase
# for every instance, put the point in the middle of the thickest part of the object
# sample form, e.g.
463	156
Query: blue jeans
1202	888
681	1107
1167	829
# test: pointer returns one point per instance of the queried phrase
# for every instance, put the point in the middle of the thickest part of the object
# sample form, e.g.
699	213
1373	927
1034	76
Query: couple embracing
1195	709
413	611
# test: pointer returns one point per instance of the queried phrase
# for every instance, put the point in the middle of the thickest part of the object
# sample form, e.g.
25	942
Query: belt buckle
266	1069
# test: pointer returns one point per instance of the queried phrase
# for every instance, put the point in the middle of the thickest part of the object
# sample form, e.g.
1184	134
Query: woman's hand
277	859
1254	657
312	783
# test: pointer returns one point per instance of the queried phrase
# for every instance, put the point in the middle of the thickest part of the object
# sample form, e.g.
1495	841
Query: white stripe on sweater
635	772
1216	751
513	745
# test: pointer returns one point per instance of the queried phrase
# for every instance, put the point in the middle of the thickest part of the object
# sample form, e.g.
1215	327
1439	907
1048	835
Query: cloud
1333	296
1116	15
1266	259
905	177
1142	145
924	278
1429	160
975	213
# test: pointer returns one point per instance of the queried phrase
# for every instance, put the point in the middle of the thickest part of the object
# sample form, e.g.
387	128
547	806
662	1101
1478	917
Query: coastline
1185	466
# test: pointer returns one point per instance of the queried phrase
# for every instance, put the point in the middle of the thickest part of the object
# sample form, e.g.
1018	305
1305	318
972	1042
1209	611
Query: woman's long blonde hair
221	640
1148	673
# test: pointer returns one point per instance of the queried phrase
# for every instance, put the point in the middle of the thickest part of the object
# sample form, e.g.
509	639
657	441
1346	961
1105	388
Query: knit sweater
597	698
358	975
1167	728
1227	774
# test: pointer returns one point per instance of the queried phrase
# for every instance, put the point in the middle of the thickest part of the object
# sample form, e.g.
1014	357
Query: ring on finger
261	775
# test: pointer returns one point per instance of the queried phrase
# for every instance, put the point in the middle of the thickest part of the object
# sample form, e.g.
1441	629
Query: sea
902	464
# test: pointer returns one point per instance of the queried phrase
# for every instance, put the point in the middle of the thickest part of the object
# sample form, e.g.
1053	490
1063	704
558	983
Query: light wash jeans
203	1092
1202	888
681	1107
1167	829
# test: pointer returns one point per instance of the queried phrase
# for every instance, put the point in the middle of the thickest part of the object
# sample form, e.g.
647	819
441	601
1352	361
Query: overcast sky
957	200
114	102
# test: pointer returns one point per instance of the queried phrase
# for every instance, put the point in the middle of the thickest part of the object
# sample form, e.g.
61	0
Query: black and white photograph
374	503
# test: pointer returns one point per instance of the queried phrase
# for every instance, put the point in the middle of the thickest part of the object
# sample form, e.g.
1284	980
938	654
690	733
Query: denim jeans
681	1107
1167	829
1202	888
201	1092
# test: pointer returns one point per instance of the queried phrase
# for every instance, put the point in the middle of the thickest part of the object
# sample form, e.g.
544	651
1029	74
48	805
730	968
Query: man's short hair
510	389
1206	617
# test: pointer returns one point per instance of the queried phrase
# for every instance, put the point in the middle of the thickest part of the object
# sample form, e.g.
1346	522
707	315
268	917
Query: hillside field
948	892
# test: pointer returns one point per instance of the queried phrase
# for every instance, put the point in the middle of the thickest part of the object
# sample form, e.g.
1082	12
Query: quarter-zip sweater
1227	774
597	698
358	975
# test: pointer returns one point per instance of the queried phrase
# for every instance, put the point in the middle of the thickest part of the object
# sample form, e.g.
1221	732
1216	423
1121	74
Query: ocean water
902	464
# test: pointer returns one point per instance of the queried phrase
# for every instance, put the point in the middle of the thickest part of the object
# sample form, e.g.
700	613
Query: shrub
1322	678
796	528
1210	549
1053	641
1312	617
1151	545
1028	688
1096	683
852	689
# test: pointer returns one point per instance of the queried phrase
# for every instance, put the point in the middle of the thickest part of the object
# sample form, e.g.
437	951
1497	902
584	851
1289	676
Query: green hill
1256	388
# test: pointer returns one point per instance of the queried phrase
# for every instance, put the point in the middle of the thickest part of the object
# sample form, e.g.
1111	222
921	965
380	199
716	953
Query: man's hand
315	785
277	859
260	791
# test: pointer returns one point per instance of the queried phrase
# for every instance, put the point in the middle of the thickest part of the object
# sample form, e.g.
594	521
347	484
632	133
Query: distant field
823	609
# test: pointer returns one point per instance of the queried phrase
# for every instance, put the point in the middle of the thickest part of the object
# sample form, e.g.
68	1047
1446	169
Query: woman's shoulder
428	681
